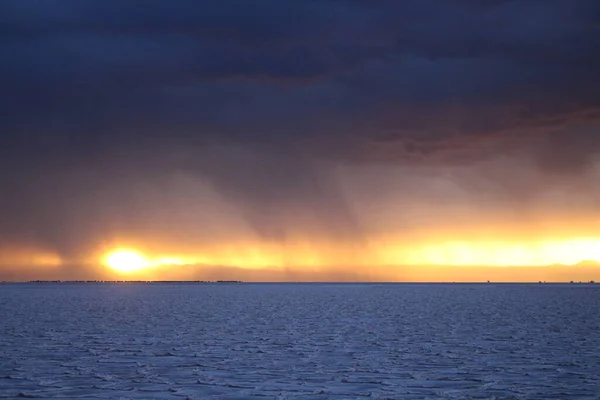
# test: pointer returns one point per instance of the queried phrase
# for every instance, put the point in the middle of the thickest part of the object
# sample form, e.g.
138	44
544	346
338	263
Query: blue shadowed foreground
304	341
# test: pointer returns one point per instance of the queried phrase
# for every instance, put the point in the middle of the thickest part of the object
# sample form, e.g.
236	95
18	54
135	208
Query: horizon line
572	282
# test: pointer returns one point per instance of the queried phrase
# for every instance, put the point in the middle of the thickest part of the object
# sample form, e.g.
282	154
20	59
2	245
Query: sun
126	261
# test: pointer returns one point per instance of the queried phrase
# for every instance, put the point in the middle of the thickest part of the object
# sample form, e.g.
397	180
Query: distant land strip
291	282
118	281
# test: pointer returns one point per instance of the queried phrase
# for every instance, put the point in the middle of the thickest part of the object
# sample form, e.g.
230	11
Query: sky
415	140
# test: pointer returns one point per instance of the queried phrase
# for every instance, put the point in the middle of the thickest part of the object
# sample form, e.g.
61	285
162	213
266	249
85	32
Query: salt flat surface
299	341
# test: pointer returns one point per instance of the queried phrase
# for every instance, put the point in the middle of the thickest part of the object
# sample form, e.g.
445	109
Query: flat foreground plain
299	341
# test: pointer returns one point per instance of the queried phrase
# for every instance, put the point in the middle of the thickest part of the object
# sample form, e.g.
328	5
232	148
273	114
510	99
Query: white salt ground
299	341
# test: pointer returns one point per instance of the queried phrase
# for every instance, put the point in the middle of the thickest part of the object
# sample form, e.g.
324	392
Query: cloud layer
281	119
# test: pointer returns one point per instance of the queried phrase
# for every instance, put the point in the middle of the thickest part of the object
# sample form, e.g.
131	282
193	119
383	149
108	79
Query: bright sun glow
126	261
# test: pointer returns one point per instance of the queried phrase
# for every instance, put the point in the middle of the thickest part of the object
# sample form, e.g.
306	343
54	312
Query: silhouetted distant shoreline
193	282
119	281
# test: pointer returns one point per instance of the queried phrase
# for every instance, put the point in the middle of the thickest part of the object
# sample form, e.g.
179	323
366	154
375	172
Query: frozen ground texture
299	341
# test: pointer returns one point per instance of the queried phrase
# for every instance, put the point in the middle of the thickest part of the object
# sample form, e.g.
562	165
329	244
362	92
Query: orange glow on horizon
29	258
416	258
498	253
389	255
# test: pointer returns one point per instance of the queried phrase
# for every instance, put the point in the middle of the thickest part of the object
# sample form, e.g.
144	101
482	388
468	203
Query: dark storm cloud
96	93
373	59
